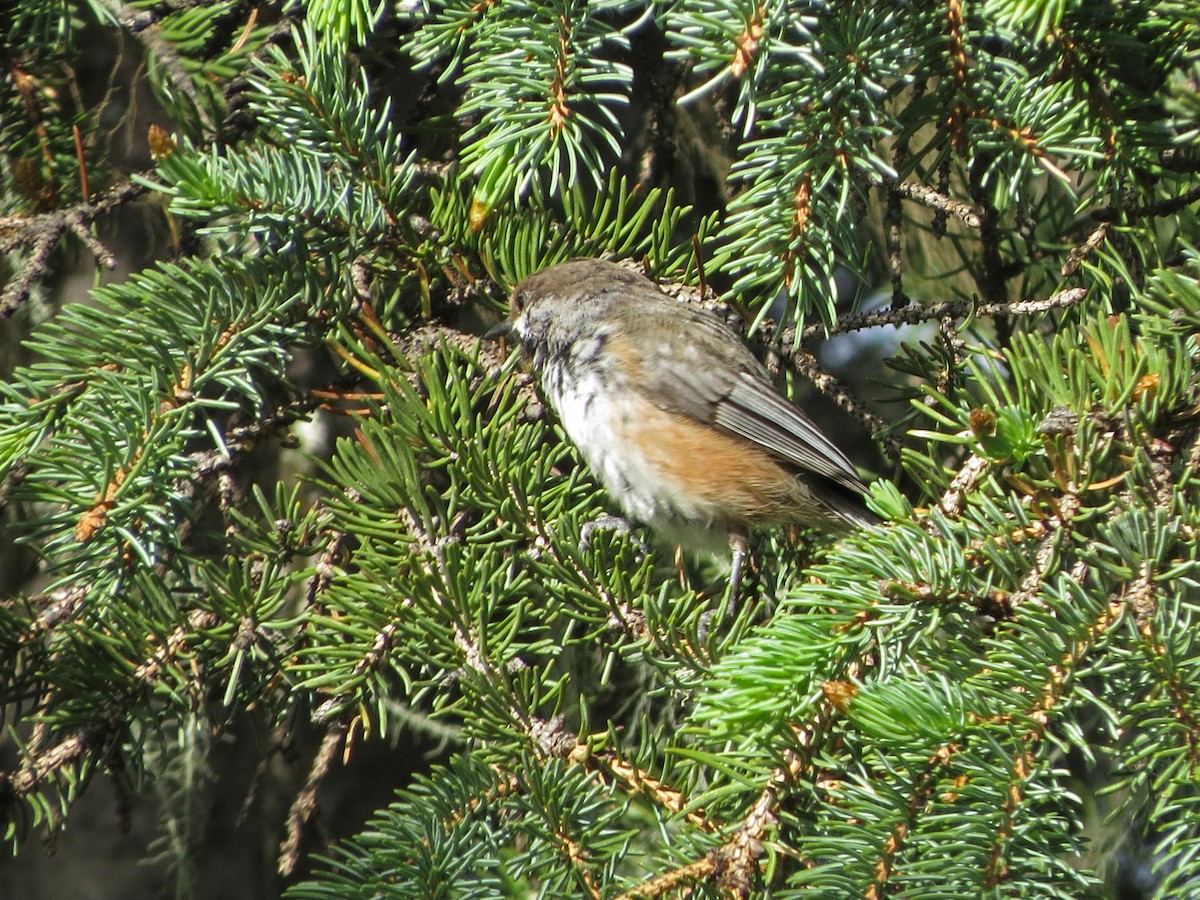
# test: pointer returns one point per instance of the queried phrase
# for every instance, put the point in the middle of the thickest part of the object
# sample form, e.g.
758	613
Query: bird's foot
618	524
740	545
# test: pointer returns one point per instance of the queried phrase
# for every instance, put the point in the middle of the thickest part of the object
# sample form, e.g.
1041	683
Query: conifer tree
278	478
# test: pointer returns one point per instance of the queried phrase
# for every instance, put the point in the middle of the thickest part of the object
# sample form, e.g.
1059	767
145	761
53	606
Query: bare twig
22	782
1078	254
305	803
1166	207
41	233
992	276
964	483
806	364
1179	159
926	312
927	196
17	291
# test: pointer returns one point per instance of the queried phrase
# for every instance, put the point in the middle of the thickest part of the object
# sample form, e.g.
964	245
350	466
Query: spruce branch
1138	595
209	469
921	794
89	740
212	470
325	568
677	879
734	866
1055	534
1027	140
59	606
1061	673
737	861
960	68
142	18
996	872
637	781
168	58
371	662
1097	93
1029	617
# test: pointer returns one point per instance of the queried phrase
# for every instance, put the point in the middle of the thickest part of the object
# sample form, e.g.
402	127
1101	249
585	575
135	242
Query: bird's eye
517	303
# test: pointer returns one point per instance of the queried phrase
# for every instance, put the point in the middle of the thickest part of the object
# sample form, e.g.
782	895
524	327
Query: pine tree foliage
934	707
1083	568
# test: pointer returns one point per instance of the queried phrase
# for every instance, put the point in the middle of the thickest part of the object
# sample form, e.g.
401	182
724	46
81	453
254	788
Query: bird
673	413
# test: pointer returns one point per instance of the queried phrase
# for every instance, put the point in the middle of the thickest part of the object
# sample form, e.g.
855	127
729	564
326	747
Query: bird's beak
502	330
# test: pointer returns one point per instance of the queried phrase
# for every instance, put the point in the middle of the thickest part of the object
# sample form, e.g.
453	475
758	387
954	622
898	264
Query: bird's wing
715	378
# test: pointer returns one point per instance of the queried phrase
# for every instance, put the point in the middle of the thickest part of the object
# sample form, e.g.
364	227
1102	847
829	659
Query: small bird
673	413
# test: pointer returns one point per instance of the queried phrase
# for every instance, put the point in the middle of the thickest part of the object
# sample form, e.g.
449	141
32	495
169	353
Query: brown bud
983	423
161	143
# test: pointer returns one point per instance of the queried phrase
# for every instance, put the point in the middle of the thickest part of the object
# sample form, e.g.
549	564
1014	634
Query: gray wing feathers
719	381
755	411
